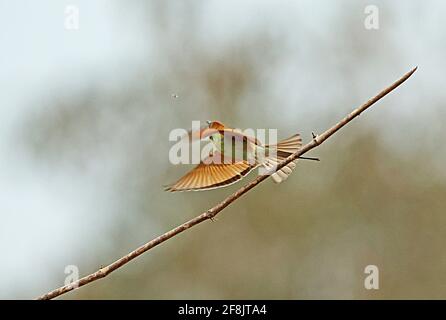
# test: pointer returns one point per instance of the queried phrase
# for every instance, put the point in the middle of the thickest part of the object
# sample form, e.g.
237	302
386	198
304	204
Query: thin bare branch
212	212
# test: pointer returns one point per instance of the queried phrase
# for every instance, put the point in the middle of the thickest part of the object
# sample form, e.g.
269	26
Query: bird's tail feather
278	153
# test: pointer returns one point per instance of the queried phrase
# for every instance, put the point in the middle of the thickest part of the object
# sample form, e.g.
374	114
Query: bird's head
217	125
213	128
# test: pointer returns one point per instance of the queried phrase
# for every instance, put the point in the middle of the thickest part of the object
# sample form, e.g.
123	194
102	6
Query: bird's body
234	145
233	156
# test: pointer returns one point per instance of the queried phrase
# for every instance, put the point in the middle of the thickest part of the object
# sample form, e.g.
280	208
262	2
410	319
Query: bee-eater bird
234	154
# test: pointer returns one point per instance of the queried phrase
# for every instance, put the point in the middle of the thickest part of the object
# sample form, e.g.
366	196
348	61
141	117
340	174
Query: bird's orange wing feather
208	175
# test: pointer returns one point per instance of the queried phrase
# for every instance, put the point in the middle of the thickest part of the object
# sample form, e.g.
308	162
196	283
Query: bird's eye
211	137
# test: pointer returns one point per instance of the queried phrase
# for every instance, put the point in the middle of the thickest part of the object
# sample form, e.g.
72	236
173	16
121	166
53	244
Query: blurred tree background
376	197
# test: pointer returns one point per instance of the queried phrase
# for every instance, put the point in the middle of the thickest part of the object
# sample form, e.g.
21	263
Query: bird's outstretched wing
211	175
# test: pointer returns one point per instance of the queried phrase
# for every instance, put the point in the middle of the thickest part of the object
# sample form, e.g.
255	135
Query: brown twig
211	213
